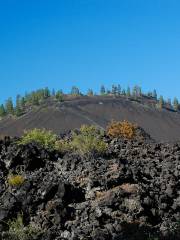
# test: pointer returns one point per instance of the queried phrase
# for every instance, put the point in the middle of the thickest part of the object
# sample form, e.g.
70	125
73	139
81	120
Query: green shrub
43	137
17	230
15	180
88	141
63	146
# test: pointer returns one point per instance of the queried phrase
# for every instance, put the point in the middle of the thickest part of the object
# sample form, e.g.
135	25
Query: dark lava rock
132	192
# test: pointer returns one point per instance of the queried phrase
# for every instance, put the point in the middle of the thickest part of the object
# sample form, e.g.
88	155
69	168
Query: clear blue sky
60	43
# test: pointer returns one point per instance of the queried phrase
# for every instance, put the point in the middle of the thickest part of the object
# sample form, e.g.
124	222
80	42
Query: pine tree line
35	98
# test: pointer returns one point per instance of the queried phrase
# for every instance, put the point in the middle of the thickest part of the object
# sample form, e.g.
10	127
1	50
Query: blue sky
60	43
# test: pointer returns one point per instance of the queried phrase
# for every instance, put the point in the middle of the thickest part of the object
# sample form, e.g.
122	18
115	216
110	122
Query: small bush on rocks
17	230
88	140
43	137
123	129
15	180
63	146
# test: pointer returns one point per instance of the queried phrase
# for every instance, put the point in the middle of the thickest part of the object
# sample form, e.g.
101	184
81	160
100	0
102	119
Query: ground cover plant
43	137
18	231
87	141
15	180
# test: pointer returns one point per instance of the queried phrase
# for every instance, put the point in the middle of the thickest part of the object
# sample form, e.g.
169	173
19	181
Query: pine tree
53	93
47	92
75	91
22	103
161	102
9	106
124	92
149	94
18	110
137	92
119	90
102	90
2	110
59	95
128	93
114	89
169	102
154	94
108	92
90	92
176	104
134	92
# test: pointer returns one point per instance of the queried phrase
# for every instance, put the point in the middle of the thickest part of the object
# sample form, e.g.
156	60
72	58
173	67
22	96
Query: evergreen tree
128	93
22	103
59	95
119	90
154	94
176	104
18	110
108	92
161	102
114	89
124	92
2	110
34	98
53	93
9	106
90	92
134	92
149	94
75	91
47	93
137	92
102	90
169	102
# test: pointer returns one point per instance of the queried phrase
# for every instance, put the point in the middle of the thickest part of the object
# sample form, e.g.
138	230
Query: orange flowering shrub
123	129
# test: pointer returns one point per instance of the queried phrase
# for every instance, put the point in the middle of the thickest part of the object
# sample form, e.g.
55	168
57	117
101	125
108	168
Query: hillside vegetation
36	98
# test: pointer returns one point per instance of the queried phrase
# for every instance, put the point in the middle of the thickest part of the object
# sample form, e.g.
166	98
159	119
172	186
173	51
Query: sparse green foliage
46	93
63	146
124	92
2	110
169	102
59	95
18	108
102	90
43	137
15	180
9	106
114	89
90	92
75	91
128	93
118	89
161	102
18	231
154	94
137	92
88	141
53	92
176	104
35	98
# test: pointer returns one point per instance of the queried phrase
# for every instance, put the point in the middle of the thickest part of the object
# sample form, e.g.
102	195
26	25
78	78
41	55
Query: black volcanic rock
132	192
